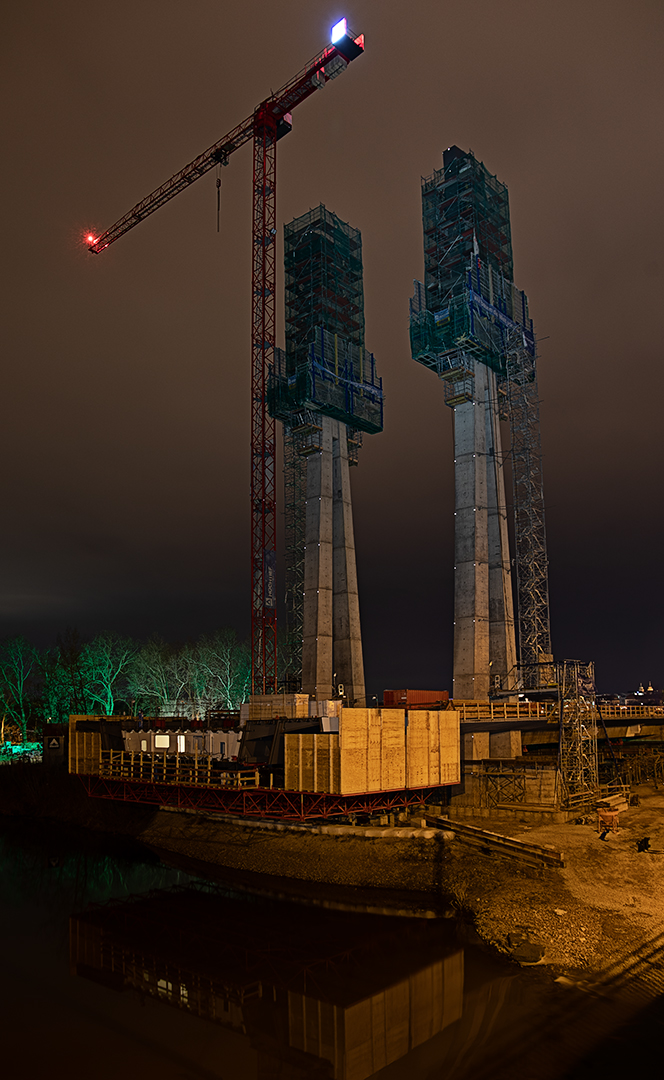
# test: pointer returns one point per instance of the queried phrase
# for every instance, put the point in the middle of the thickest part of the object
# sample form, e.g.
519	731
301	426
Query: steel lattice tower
578	732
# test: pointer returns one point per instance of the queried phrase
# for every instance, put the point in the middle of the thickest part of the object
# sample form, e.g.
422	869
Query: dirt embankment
604	907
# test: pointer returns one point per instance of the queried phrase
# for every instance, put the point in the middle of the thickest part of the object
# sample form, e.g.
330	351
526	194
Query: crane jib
280	104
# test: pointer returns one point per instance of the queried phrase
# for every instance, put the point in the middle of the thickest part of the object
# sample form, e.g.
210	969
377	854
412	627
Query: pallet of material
613	802
269	706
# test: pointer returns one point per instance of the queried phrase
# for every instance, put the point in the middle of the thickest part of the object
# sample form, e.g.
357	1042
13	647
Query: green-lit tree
152	676
19	669
104	665
224	670
214	671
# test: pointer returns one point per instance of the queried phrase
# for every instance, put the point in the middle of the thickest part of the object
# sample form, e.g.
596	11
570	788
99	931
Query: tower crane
269	122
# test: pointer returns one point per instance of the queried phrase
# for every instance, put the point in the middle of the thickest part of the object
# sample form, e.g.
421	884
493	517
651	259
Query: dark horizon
126	420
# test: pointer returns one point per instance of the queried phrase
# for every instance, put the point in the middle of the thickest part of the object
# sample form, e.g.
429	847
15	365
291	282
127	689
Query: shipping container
404	699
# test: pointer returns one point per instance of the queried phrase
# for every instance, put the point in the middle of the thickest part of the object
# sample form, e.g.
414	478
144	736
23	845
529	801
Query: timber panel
312	762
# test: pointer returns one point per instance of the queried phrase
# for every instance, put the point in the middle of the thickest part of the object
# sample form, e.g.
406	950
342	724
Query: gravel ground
592	917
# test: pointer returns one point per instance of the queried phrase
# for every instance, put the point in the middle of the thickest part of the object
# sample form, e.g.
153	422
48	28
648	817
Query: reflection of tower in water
319	993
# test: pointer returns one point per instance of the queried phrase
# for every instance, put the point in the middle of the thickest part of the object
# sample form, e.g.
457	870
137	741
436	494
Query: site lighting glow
338	31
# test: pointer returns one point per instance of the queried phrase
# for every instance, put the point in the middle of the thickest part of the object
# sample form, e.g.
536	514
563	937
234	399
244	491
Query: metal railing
504	710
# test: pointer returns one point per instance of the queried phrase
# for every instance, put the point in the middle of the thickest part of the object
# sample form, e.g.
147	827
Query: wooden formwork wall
376	751
312	762
84	748
432	748
372	744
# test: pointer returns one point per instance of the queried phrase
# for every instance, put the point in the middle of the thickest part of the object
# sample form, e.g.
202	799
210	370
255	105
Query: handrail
173	769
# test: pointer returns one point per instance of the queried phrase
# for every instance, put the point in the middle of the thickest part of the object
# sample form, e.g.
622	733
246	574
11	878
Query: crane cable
218	193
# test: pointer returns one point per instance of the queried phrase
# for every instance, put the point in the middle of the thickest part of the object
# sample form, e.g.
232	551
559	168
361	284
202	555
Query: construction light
338	31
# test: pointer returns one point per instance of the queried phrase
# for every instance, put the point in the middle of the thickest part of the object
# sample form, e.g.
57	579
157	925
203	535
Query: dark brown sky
125	420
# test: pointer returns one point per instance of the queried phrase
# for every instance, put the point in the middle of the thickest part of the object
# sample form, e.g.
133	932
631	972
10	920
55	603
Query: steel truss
532	567
263	447
258	802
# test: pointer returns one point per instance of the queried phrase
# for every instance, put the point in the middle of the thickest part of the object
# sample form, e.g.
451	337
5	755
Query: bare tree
213	671
18	668
153	676
225	664
104	662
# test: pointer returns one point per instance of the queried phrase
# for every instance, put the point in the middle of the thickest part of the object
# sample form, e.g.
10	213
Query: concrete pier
471	550
332	642
502	639
484	639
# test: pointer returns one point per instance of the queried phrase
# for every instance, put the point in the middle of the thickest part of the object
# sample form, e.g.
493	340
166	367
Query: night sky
125	398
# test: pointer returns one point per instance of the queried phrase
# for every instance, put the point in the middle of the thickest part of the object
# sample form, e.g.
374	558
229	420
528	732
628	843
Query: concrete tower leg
502	642
347	636
471	552
318	573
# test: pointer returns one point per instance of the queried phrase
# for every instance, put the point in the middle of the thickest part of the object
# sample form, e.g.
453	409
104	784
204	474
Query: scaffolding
323	371
324	285
531	561
467	312
578	733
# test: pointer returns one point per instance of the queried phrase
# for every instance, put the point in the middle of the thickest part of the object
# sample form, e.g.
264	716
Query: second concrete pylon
332	641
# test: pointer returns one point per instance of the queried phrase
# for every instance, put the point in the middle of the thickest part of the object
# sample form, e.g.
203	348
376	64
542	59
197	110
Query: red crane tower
268	123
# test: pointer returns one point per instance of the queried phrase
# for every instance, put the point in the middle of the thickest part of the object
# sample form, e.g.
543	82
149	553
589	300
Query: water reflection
182	978
346	995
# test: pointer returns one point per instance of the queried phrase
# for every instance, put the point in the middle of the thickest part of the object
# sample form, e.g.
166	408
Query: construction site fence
172	769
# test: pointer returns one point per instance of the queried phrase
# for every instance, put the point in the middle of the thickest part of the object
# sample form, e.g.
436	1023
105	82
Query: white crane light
338	31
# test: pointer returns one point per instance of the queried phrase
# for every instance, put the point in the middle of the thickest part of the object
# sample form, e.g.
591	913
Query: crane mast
268	123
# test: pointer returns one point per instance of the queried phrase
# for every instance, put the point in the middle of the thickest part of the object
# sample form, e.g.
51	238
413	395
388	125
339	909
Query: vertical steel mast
263	443
269	122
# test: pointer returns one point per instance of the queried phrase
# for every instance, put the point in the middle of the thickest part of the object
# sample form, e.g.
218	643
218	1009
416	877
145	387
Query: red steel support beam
258	802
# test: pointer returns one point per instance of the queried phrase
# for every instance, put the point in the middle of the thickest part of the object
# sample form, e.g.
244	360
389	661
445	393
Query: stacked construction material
270	706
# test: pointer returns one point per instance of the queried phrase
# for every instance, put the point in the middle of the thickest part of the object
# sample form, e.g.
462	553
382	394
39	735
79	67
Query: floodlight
338	31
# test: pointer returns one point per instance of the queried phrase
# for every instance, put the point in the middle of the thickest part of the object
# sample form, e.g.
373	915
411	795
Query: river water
115	965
